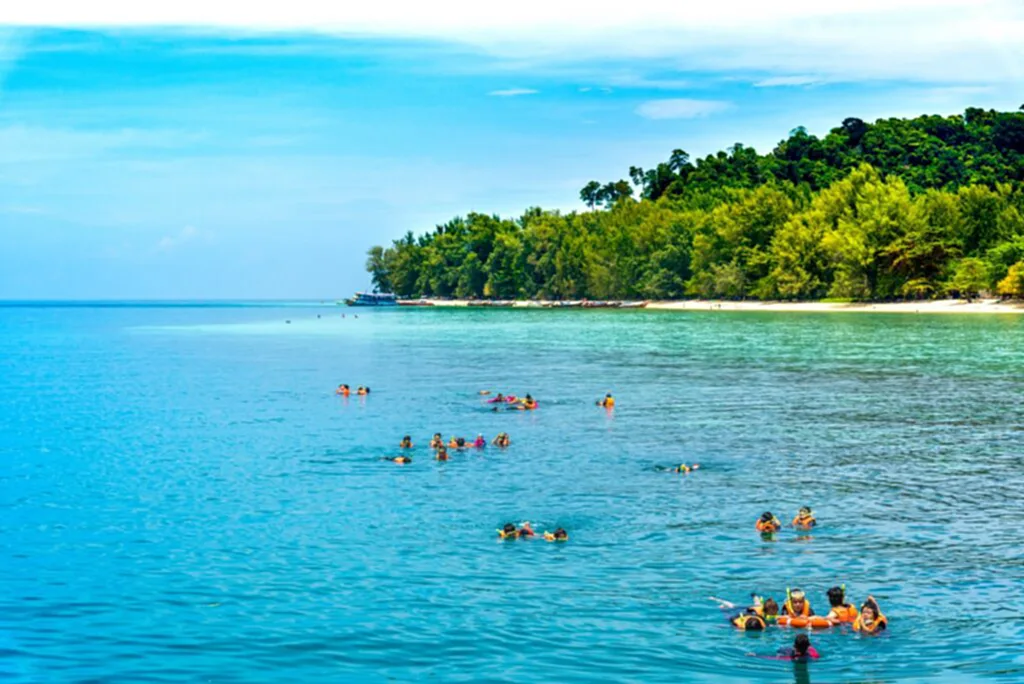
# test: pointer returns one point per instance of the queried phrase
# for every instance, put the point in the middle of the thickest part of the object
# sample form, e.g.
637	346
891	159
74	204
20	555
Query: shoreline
939	306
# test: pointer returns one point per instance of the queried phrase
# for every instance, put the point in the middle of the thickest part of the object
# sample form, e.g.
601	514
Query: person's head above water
805	511
509	528
767	517
753	623
797	599
560	533
801	644
770	607
870	610
836	596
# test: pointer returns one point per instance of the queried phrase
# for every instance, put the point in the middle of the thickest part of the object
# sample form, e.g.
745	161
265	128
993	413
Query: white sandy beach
942	306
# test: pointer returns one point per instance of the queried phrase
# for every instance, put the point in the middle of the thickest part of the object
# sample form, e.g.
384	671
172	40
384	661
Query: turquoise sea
183	498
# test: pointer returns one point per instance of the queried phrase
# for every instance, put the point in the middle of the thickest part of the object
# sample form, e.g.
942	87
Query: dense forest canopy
902	208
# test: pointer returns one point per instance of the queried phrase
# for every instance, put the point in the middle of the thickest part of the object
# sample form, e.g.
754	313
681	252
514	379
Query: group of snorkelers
796	611
510	401
524	531
769	524
440	447
344	391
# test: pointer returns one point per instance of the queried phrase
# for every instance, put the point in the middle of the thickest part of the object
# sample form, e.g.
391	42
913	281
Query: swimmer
343	390
683	468
767	609
871	619
497	399
502	440
801	651
840	611
797	604
510	531
457	443
479	442
362	391
406	443
608	401
558	535
401	459
804	520
768	523
436	442
442	454
748	623
528	403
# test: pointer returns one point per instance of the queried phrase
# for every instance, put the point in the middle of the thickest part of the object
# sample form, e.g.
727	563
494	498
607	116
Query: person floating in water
797	605
502	440
343	390
436	442
401	459
804	520
406	443
840	612
510	531
748	622
683	468
362	391
558	535
457	443
527	403
801	651
442	454
871	619
768	523
608	401
499	398
766	612
767	609
479	442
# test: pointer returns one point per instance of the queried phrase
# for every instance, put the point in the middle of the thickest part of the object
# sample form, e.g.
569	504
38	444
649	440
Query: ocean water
183	498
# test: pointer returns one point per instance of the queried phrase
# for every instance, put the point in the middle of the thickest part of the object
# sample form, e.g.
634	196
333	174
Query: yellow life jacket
740	621
787	609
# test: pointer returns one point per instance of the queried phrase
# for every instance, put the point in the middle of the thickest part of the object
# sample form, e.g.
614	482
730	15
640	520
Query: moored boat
372	299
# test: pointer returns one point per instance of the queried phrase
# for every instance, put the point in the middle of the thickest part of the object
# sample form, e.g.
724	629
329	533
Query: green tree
969	278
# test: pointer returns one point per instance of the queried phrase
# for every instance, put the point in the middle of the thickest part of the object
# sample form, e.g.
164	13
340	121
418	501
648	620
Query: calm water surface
183	498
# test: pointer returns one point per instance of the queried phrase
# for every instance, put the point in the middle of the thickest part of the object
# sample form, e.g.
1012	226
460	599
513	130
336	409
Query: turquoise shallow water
182	498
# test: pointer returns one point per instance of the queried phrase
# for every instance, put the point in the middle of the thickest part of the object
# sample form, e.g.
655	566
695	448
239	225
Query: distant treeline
916	208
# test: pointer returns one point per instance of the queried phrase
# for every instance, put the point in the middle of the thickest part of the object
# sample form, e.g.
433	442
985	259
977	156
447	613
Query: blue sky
217	161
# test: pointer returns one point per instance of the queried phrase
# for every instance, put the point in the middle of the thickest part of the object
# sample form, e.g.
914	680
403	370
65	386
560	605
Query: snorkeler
510	531
558	535
804	520
801	650
502	440
797	604
442	454
343	390
499	398
768	523
400	459
748	623
871	619
767	610
608	401
683	468
479	442
362	391
528	403
436	442
840	611
406	443
457	443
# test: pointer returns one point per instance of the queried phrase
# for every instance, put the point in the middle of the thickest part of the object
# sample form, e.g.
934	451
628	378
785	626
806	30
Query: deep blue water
183	498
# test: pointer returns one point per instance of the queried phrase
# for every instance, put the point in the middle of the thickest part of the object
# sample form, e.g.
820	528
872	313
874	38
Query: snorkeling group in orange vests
440	447
524	531
796	612
769	524
344	391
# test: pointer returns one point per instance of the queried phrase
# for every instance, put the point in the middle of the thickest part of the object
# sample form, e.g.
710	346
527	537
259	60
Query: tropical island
898	210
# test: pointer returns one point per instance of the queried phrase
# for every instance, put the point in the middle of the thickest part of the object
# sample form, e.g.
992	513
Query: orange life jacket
770	526
806	523
878	625
787	609
740	621
846	613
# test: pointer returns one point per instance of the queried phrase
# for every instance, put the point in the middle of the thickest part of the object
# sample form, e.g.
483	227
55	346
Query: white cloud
966	41
784	81
169	242
513	92
680	108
